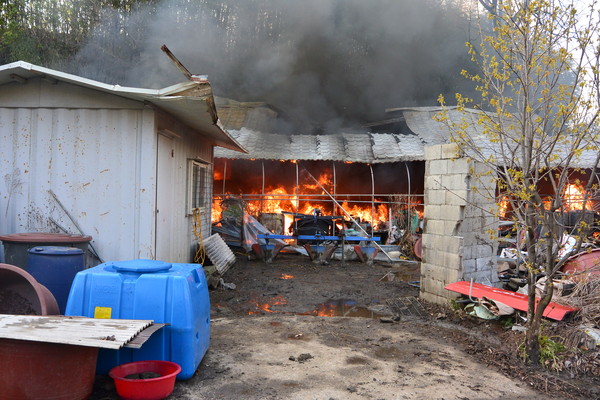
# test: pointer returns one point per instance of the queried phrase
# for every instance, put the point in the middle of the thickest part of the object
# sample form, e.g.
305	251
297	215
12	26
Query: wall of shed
97	152
187	145
98	162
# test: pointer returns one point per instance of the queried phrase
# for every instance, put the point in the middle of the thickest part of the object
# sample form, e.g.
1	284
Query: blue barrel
55	267
170	293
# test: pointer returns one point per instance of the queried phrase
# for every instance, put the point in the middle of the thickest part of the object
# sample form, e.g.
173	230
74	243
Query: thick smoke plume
326	63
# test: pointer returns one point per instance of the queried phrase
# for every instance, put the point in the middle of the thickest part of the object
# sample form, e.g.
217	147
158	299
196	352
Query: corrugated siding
100	164
183	243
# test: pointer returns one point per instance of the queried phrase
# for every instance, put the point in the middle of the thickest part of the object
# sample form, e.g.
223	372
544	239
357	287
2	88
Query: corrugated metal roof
372	147
355	147
191	102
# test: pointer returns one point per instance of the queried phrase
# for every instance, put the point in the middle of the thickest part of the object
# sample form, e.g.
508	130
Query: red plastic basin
145	389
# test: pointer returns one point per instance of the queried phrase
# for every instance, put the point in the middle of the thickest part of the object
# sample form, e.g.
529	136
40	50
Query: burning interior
325	183
305	197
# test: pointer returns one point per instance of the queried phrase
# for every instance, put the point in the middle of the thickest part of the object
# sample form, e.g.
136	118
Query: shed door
164	197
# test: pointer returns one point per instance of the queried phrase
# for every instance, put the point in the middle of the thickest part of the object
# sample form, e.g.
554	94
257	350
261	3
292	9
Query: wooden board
79	331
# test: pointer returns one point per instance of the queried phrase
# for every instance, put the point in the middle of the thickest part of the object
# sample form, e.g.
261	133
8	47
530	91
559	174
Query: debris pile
575	303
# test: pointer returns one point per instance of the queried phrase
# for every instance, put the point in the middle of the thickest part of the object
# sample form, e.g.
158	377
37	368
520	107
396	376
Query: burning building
375	175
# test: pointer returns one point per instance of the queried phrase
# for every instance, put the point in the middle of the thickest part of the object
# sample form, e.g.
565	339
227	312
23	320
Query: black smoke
329	64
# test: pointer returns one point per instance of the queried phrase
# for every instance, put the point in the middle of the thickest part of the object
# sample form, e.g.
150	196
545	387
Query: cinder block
438	167
452	227
435	197
469	266
480	196
481	169
483	277
450	150
456	197
451	213
443	258
486	264
439	272
449	244
437	299
432	211
454	181
467	253
460	166
483	251
445	228
433	182
434	286
434	226
433	152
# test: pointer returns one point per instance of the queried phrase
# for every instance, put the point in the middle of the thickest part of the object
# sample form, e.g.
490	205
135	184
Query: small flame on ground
287	276
266	307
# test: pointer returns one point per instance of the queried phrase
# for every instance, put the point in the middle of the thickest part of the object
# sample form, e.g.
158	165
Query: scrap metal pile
320	237
576	298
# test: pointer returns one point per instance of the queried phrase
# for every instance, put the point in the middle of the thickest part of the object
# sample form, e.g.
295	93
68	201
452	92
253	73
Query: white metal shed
124	165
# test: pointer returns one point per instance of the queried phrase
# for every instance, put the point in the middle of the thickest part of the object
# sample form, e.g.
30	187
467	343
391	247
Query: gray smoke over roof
326	63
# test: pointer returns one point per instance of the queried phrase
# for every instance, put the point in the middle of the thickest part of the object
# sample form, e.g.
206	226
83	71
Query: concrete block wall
457	220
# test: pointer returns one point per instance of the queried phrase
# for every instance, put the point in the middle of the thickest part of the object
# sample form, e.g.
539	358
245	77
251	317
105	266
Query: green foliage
552	351
507	321
48	32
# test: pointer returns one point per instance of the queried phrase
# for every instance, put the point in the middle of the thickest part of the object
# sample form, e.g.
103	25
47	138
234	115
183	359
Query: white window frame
198	191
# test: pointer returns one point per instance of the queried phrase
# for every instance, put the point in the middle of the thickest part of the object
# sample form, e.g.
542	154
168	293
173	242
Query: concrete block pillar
458	221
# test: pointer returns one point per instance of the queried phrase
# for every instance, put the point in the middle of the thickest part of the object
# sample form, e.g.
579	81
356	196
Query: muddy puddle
330	308
342	308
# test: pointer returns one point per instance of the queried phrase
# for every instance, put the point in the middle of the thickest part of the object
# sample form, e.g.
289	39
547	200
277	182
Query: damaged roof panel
369	147
327	144
354	147
358	147
192	102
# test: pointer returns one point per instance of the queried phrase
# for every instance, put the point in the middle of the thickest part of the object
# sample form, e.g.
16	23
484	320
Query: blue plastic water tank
175	294
55	267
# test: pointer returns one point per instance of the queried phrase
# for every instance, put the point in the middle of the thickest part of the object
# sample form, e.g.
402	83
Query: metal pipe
224	174
313	197
297	189
348	215
372	198
333	210
295	227
408	212
75	223
262	163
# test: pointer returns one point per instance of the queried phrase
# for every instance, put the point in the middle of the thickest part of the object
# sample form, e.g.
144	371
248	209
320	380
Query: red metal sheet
517	301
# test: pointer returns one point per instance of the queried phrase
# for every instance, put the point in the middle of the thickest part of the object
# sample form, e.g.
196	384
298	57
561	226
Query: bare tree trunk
532	342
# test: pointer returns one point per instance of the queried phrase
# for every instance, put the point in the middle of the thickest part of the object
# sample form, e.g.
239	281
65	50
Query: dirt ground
293	329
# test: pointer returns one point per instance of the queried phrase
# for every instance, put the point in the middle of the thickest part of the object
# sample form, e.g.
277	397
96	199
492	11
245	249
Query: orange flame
574	196
266	307
305	198
503	206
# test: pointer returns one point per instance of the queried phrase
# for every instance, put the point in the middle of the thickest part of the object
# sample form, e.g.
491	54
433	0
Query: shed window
199	194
